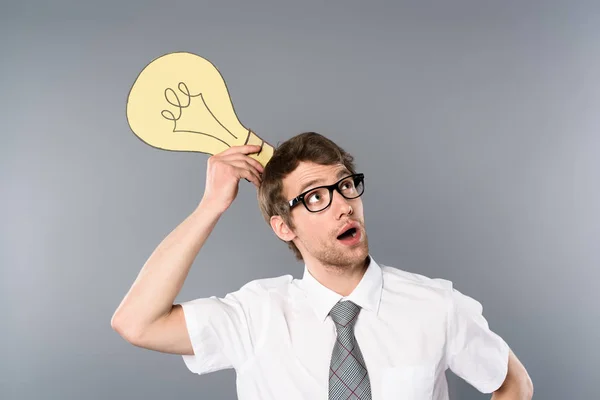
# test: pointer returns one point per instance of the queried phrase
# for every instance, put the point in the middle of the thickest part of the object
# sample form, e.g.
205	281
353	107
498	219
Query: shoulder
407	281
269	285
428	287
395	274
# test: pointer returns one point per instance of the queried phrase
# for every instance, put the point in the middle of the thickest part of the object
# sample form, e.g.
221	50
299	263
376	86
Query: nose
340	205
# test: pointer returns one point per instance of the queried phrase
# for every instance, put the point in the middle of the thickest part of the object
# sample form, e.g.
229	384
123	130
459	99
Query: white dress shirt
277	334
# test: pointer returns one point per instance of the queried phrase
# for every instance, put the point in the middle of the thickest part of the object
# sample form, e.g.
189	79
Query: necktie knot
344	314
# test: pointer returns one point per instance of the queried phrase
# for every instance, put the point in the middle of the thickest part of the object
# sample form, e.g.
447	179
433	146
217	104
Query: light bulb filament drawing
173	99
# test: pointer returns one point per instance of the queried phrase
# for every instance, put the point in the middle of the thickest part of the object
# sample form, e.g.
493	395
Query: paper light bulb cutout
180	102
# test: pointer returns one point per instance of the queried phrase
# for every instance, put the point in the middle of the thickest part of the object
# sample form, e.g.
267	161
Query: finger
257	165
244	149
247	159
250	176
244	163
242	166
257	176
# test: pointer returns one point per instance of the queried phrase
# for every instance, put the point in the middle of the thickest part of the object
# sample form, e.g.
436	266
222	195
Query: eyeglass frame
300	198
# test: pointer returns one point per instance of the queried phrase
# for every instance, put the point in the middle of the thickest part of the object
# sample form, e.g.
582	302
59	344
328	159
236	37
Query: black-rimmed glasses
319	198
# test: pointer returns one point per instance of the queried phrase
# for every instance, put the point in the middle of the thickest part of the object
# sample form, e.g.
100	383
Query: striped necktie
348	376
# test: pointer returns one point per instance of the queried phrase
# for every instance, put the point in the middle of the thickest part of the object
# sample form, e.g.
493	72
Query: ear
281	229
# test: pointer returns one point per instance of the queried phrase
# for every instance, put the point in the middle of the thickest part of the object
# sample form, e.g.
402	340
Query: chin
354	255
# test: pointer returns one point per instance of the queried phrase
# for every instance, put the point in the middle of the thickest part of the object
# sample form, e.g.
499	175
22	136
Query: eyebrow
341	173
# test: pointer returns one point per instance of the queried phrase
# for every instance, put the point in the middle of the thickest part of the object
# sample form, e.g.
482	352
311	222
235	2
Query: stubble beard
339	258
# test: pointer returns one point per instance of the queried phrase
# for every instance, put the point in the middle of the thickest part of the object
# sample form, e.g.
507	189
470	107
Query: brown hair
308	147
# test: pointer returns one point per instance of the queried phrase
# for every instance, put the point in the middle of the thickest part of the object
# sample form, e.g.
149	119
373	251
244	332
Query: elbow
515	386
529	391
526	386
524	390
127	331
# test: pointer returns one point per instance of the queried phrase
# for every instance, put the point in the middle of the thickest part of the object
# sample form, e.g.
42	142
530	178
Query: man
349	329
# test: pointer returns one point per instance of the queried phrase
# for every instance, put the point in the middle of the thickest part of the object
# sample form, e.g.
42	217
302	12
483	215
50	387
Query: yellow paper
180	102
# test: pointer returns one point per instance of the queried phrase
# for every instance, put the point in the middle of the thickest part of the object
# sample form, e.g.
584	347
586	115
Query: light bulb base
266	150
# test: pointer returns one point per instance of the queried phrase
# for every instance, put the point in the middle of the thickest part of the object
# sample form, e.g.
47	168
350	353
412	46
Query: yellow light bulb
180	102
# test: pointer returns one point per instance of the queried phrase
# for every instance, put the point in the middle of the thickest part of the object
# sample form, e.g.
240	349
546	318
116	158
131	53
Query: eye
317	196
347	184
314	197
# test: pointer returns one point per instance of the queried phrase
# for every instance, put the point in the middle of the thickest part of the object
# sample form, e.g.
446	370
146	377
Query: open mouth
350	233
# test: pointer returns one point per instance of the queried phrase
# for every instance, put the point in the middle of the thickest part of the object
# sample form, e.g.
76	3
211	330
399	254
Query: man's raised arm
147	316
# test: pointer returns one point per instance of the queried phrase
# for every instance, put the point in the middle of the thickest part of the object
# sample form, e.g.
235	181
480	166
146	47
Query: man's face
316	233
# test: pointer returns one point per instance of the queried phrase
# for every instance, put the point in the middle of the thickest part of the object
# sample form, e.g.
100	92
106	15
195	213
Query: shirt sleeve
224	331
474	352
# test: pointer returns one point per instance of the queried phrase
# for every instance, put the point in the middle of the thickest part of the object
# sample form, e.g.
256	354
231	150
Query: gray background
476	124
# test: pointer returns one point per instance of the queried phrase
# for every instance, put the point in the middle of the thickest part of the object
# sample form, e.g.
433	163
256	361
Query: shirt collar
367	293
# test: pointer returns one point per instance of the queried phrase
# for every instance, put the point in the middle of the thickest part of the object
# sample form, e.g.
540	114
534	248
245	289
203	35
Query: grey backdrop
476	124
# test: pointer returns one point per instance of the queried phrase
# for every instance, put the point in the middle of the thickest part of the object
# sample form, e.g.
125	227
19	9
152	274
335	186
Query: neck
342	280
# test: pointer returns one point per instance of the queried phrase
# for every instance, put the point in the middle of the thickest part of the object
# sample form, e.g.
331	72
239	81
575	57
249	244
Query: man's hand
224	171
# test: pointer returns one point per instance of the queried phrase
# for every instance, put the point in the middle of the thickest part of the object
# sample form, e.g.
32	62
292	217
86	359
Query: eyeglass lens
319	199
